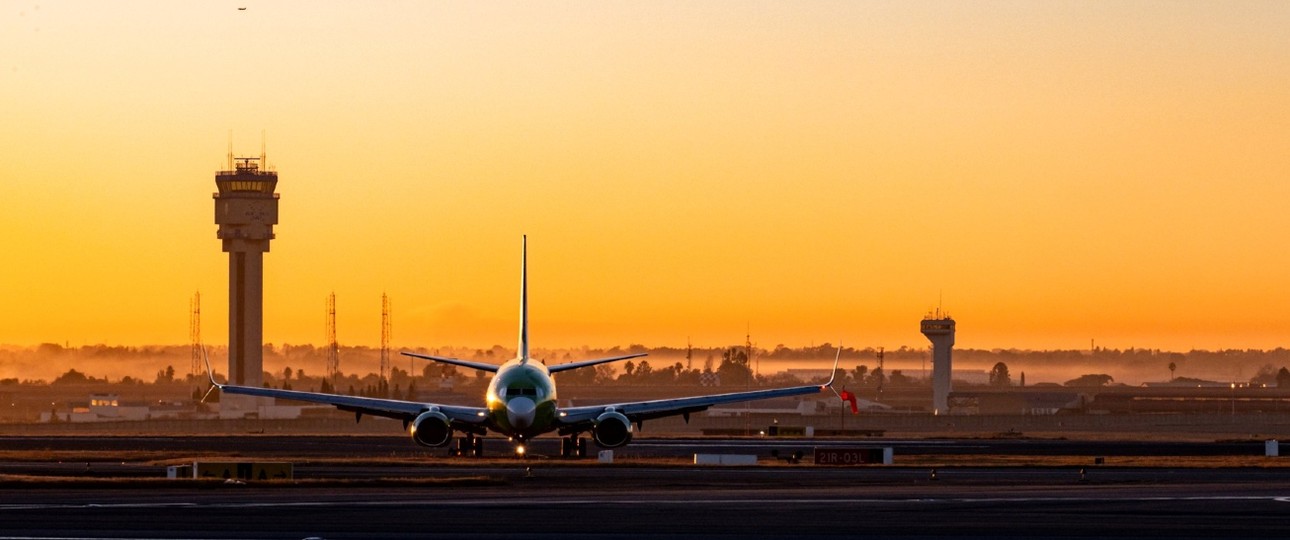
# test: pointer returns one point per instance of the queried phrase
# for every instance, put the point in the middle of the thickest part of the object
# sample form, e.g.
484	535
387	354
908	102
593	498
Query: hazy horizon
1053	366
1050	173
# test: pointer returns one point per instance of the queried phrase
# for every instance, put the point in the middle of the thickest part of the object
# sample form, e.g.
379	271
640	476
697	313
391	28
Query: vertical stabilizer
523	350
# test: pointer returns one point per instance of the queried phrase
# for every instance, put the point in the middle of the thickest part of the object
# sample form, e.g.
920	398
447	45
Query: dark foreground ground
540	498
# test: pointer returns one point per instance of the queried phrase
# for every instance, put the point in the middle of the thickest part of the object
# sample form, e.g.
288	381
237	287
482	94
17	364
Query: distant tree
859	373
734	367
1266	376
166	375
900	379
72	377
1172	368
604	373
50	348
999	375
286	373
1097	379
876	378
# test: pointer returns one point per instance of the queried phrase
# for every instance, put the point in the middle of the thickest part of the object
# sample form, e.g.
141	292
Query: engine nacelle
431	428
612	430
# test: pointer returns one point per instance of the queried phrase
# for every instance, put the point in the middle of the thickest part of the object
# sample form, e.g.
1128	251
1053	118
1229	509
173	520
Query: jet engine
612	430
431	428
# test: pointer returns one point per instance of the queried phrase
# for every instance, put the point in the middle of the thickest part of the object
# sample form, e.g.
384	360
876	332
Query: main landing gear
573	446
469	445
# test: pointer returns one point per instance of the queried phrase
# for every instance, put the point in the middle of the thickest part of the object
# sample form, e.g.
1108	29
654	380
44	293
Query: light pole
1233	402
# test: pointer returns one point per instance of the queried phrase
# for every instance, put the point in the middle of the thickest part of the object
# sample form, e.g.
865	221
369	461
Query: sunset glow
1049	172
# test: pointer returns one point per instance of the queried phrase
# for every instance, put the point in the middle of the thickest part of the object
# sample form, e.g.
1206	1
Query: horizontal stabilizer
585	363
453	361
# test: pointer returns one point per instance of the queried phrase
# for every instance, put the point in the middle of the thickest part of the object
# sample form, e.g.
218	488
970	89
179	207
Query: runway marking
631	501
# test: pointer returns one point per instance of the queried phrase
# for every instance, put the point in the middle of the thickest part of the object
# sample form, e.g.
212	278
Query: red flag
850	398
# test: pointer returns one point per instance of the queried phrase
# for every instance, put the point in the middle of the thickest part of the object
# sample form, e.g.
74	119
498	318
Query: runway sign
260	470
853	456
725	459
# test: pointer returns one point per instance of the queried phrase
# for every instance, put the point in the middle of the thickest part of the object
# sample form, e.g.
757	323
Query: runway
547	499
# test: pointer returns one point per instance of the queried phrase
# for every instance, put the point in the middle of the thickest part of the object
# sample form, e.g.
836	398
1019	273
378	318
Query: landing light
519	450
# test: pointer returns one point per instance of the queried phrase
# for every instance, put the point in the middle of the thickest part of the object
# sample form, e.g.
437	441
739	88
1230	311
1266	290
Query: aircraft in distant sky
521	402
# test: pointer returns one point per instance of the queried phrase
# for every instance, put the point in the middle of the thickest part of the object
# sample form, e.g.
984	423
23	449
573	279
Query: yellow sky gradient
1058	171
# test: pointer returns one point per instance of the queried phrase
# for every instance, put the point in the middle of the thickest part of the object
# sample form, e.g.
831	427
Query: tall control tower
939	329
246	209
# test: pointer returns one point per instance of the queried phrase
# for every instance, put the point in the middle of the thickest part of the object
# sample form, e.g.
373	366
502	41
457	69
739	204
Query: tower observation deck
939	329
246	209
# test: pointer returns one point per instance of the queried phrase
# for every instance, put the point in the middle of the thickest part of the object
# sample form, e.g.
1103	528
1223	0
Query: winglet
834	374
209	373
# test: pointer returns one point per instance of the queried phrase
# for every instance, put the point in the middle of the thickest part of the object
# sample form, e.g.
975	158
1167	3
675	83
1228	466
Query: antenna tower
385	338
884	372
195	332
689	355
333	350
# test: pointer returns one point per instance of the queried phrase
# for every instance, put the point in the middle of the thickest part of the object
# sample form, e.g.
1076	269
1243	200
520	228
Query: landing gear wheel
469	445
573	447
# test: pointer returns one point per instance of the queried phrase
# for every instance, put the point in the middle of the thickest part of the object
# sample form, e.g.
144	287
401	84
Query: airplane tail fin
522	350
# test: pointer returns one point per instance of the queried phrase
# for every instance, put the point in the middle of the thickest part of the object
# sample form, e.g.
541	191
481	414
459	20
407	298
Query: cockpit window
517	391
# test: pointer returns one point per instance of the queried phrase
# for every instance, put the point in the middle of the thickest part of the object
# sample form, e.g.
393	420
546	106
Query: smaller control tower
246	209
939	329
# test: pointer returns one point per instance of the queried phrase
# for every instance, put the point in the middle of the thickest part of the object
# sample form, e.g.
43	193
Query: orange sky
1058	171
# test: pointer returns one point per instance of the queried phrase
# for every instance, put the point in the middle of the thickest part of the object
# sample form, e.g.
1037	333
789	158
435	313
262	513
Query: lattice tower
333	349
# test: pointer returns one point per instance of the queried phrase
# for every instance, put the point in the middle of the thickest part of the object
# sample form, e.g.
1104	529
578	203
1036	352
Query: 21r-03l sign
853	456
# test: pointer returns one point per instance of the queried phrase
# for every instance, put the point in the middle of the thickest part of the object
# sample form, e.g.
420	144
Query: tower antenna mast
195	332
333	349
385	340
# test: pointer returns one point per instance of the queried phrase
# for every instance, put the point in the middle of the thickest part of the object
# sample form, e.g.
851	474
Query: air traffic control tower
939	329
246	209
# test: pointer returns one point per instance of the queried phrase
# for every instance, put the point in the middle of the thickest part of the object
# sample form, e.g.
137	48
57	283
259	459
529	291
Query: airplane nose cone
520	412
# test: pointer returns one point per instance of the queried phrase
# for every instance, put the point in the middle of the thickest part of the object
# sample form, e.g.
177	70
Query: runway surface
399	445
536	499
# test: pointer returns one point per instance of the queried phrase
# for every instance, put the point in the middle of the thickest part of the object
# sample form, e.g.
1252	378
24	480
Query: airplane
521	402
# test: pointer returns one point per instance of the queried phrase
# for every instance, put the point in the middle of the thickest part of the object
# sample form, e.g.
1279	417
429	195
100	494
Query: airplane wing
389	408
453	361
645	410
585	363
